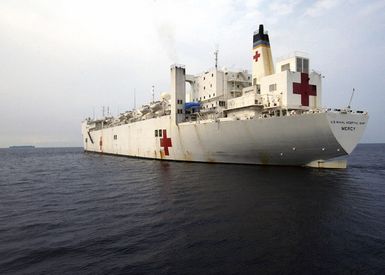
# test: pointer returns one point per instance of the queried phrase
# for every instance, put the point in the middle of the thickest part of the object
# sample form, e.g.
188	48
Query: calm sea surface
66	212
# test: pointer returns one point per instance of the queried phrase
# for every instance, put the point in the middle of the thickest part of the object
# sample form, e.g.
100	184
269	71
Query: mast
216	58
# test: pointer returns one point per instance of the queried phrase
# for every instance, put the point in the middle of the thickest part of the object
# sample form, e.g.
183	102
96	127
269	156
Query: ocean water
63	211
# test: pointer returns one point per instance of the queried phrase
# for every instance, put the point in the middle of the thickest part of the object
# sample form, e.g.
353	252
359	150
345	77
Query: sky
62	60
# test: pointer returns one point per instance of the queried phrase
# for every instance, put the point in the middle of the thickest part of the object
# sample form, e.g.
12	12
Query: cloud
283	7
320	6
375	7
166	33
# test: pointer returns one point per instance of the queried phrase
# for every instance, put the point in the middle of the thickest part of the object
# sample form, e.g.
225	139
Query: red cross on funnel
256	56
304	89
165	142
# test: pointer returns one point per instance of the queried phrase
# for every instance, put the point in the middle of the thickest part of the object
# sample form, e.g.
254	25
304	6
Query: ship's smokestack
262	58
178	92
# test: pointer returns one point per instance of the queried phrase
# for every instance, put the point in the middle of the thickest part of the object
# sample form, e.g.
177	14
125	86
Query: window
204	87
306	66
209	95
213	94
222	103
302	65
211	85
285	67
86	140
272	87
160	133
204	78
212	75
156	133
115	137
204	97
299	64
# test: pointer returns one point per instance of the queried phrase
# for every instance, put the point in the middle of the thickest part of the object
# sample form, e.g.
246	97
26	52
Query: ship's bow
348	127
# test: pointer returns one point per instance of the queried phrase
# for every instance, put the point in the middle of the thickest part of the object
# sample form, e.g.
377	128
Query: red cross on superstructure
165	142
304	89
256	56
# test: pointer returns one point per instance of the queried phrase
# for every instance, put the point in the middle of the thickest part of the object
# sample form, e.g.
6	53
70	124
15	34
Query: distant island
22	147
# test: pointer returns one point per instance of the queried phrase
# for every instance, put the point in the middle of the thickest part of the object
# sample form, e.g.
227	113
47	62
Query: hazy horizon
63	60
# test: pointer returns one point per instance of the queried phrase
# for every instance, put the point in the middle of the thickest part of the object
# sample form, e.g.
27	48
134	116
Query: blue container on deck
191	105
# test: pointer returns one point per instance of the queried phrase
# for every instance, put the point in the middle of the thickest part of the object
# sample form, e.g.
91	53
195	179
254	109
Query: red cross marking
165	142
304	89
256	56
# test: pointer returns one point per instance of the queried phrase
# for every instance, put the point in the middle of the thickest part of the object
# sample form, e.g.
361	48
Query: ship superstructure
270	117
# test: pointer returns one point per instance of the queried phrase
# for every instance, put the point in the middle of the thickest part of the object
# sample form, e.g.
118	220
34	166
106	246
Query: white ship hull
289	140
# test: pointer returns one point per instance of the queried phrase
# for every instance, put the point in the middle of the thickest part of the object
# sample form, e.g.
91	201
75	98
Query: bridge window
285	67
302	65
299	64
305	65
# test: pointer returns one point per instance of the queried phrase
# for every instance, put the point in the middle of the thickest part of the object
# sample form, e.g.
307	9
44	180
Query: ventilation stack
178	93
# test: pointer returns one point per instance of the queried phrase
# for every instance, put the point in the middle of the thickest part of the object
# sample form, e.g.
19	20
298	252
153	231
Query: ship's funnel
178	92
262	59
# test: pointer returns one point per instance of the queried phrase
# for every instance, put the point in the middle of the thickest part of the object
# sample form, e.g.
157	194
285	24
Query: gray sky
60	60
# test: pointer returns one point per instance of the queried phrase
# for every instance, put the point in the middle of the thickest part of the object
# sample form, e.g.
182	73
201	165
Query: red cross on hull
304	89
256	56
165	142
